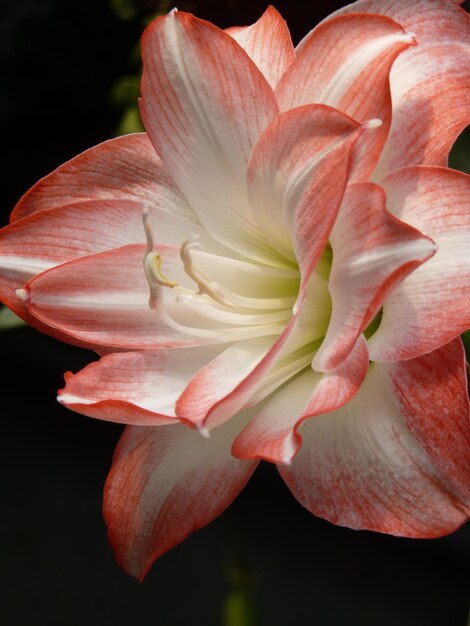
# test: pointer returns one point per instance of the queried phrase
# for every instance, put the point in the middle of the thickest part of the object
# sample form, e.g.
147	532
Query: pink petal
432	305
273	433
220	377
48	238
103	300
268	43
372	253
302	160
125	168
138	388
165	483
204	112
299	332
247	371
345	63
430	84
396	459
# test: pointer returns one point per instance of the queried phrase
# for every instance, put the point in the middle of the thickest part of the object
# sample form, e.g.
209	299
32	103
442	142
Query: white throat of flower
219	313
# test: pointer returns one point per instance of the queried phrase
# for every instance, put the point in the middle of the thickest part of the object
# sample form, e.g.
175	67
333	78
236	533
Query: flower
277	269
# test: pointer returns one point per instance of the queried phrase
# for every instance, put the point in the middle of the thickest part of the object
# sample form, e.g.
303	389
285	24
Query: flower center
223	298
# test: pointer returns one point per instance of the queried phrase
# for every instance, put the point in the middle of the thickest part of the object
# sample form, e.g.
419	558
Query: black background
266	555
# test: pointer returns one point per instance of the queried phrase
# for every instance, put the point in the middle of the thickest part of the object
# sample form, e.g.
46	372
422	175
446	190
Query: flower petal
432	305
353	79
204	111
302	160
306	325
372	253
103	300
268	43
273	433
430	84
124	168
165	483
395	459
220	377
138	388
48	238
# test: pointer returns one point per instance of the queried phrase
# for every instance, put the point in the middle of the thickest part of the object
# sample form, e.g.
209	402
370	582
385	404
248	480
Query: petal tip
204	432
410	38
22	294
372	123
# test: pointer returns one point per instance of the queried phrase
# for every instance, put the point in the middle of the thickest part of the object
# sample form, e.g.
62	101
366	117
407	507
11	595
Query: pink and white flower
278	269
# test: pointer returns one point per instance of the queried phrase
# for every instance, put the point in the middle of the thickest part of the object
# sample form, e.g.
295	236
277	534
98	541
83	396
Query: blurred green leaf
130	122
239	609
9	320
125	91
125	10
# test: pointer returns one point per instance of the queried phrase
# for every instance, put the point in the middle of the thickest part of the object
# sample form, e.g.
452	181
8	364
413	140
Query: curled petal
138	388
354	79
268	43
219	378
395	459
301	161
430	84
432	305
307	324
273	433
165	483
204	112
372	253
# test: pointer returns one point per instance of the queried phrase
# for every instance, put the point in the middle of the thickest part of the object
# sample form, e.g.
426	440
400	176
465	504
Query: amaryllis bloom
278	269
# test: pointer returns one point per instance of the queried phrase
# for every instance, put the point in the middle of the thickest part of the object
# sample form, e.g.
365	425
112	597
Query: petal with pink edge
301	161
372	253
138	388
124	168
165	483
273	433
432	305
301	331
48	238
268	43
395	459
103	300
204	112
220	377
354	79
430	84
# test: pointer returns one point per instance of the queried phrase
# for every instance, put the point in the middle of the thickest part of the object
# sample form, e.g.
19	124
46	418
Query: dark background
69	73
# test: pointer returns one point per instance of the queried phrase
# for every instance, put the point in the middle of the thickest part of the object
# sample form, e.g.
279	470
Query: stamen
205	285
241	326
220	294
153	263
148	227
210	311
